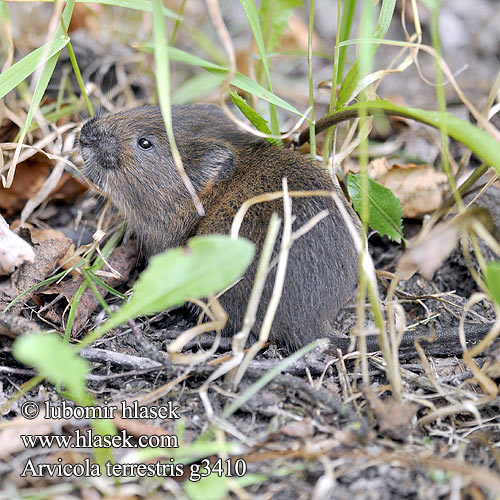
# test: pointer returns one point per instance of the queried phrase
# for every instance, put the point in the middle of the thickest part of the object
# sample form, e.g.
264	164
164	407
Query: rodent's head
127	157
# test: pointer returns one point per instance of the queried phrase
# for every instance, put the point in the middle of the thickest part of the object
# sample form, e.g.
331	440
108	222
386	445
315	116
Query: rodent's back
227	167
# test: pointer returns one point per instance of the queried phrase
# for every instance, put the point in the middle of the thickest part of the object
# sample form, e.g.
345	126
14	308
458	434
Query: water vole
127	156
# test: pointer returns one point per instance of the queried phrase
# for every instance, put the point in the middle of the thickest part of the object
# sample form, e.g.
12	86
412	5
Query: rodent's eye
144	143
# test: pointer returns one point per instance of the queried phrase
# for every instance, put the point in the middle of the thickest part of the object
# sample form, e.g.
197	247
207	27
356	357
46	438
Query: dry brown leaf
429	251
10	432
393	418
123	260
8	130
137	427
420	188
39	235
302	429
296	36
47	254
86	16
30	176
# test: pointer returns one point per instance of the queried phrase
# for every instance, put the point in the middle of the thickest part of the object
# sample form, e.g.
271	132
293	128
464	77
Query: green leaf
245	83
253	19
4	12
207	265
19	71
345	29
55	360
211	487
354	75
384	209
492	278
253	117
46	72
274	15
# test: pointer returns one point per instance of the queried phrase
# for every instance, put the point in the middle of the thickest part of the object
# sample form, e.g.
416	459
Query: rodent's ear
208	163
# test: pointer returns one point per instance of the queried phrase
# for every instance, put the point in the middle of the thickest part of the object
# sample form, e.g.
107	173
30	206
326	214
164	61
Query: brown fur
226	167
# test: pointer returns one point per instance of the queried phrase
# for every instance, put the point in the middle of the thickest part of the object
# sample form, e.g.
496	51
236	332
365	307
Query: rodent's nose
90	134
103	146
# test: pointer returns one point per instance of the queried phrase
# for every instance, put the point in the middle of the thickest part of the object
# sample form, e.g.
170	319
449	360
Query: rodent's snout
89	134
98	146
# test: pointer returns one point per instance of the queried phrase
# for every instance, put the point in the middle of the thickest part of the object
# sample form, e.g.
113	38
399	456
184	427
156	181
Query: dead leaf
296	36
29	178
86	16
47	254
11	432
420	188
302	429
40	235
137	427
393	418
429	250
123	260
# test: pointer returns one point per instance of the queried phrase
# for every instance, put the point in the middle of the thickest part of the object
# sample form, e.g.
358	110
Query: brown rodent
127	156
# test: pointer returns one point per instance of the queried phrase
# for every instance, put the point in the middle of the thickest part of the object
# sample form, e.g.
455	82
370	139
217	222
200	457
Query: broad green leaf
492	278
353	76
274	15
58	362
384	209
207	265
253	117
211	487
18	72
55	360
239	80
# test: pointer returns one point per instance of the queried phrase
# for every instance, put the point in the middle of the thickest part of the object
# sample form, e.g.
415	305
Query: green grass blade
253	19
42	83
18	72
274	15
352	78
253	117
239	80
345	29
79	79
